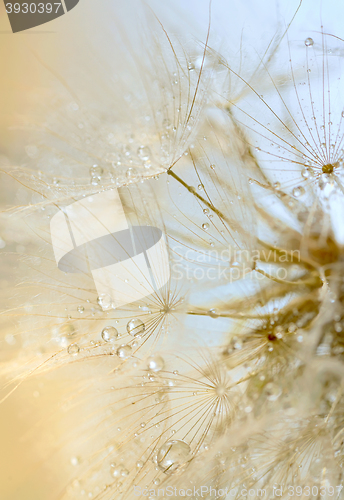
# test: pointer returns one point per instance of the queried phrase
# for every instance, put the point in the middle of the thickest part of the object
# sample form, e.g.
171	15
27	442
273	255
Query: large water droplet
298	191
109	334
155	363
309	42
135	327
173	455
105	302
124	351
307	172
73	349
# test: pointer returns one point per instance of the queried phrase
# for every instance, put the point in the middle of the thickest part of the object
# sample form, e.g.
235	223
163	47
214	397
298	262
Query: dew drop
298	191
205	226
173	455
131	174
272	391
73	349
109	334
292	328
124	351
155	363
159	398
81	309
96	172
105	302
135	327
212	313
119	471
306	172
166	124
309	42
144	152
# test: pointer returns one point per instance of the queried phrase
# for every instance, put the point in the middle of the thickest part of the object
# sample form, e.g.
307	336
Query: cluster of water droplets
109	335
137	158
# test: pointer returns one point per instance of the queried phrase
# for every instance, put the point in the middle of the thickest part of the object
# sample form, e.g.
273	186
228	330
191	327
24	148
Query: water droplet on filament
173	455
